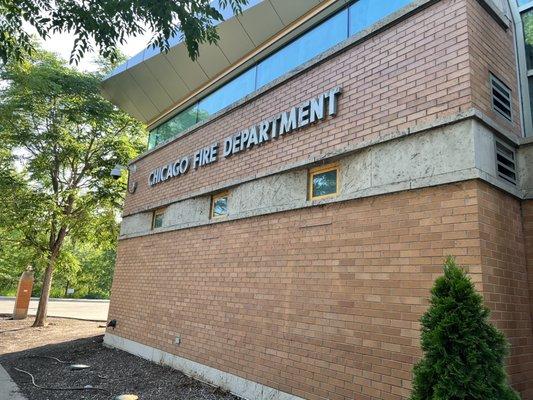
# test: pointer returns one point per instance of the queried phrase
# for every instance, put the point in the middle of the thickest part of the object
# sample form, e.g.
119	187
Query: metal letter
176	168
317	109
184	165
288	121
263	131
303	114
244	137
236	143
253	137
332	100
197	158
213	152
228	144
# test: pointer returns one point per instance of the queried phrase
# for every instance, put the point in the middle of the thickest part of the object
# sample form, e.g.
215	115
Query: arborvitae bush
463	352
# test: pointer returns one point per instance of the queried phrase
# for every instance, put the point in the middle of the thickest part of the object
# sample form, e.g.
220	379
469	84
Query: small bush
463	352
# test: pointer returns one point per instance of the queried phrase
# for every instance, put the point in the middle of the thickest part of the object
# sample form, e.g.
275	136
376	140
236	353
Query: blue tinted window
322	37
364	13
173	126
316	41
232	91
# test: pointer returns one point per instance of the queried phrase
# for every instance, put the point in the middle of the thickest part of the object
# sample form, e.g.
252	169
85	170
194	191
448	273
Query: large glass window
527	22
173	126
527	25
349	21
365	13
232	91
316	41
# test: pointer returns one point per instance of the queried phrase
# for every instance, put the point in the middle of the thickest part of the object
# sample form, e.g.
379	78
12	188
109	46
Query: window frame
526	117
155	214
321	170
214	198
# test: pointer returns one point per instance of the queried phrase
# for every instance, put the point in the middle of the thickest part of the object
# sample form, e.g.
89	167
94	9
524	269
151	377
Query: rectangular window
219	205
158	218
323	182
527	22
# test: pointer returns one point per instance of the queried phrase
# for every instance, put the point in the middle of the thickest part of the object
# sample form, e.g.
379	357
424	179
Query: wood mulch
47	354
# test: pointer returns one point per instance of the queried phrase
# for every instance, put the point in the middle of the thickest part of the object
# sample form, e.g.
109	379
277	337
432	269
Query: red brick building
306	177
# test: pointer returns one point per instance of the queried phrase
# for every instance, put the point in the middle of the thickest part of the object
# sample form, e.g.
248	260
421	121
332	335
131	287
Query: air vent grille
506	162
501	98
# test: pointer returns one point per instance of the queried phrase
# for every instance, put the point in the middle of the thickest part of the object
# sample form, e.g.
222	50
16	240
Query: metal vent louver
506	162
501	98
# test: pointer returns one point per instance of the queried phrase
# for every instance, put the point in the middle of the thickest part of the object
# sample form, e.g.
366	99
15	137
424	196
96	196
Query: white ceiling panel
113	91
234	49
261	22
151	83
167	77
190	72
151	87
289	11
212	60
136	94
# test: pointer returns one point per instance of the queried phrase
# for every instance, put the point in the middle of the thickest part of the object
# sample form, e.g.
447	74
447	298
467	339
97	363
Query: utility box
22	302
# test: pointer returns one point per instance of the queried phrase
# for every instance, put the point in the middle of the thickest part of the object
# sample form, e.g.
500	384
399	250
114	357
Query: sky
61	44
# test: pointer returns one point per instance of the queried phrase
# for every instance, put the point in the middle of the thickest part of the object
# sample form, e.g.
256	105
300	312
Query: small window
157	219
501	98
323	182
506	162
219	205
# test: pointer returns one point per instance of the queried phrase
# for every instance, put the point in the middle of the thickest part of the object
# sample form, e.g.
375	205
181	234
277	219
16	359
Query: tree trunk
40	318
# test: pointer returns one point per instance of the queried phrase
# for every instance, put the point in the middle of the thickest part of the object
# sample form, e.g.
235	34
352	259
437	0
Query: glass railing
322	37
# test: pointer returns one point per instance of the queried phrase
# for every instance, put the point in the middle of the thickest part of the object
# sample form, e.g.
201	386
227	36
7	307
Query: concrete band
416	129
450	153
239	386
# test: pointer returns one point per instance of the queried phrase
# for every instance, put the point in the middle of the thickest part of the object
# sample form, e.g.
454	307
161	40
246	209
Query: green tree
464	352
63	139
106	23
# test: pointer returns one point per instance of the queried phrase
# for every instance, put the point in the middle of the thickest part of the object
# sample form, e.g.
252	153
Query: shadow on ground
114	371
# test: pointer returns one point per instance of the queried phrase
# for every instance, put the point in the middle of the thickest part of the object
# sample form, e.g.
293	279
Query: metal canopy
151	82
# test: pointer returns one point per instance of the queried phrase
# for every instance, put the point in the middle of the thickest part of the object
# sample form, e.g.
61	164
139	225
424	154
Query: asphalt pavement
93	310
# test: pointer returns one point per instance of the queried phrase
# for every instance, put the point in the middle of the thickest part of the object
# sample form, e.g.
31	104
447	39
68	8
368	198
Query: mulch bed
115	371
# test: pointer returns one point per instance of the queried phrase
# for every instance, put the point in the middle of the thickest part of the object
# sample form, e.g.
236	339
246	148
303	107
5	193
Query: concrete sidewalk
9	389
93	310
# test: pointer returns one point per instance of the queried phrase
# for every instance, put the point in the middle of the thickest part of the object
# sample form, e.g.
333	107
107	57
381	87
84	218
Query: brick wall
410	74
322	302
505	279
491	50
527	217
